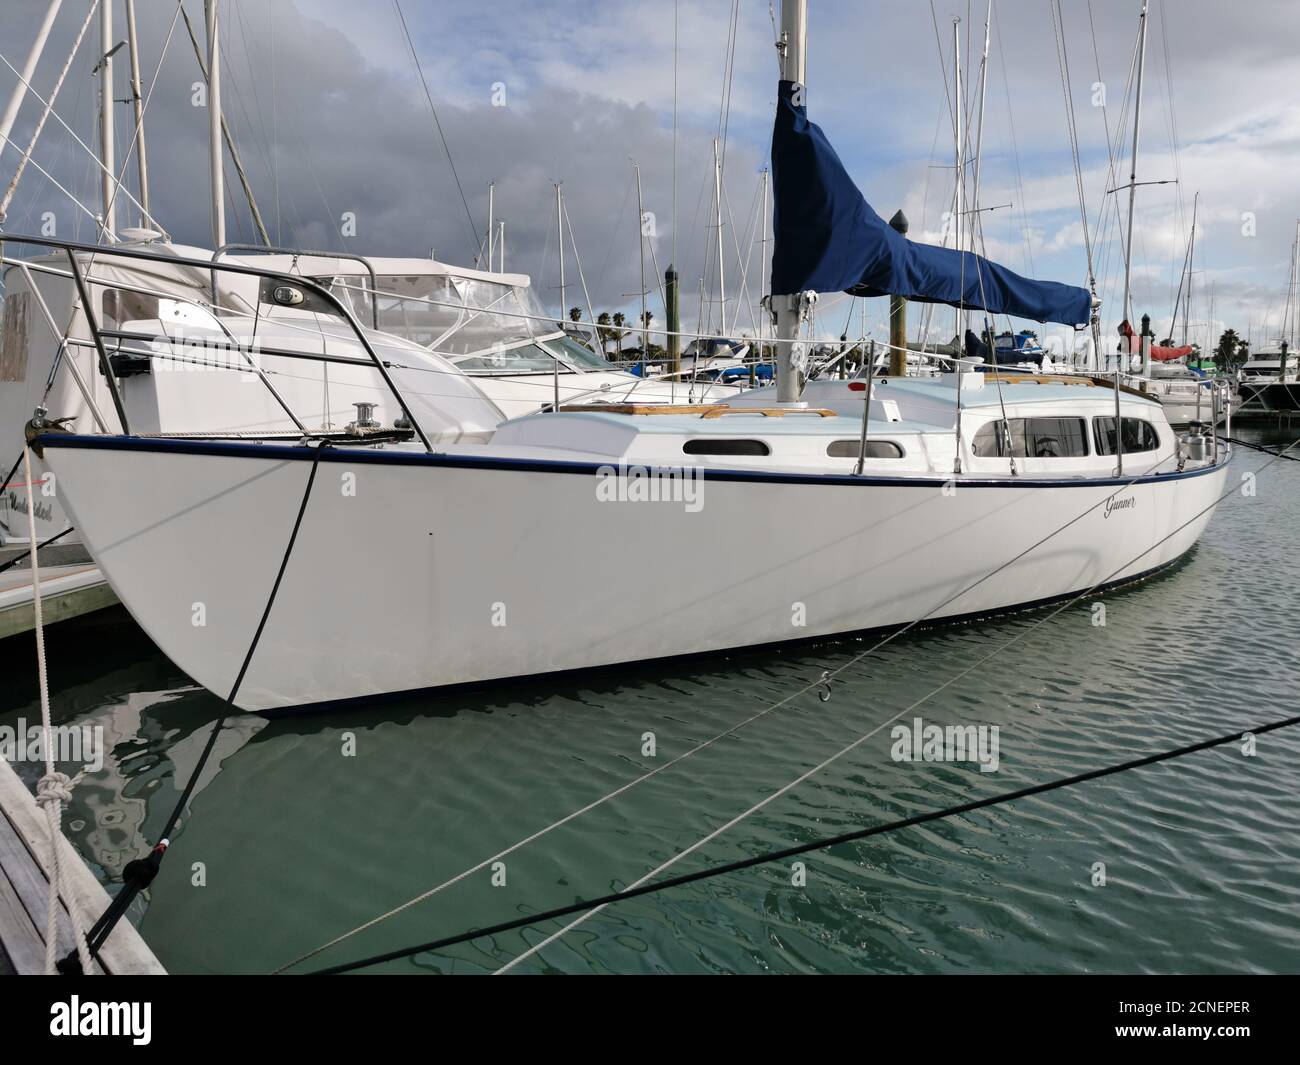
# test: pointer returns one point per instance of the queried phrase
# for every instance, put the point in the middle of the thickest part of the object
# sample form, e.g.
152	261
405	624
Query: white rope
712	835
54	788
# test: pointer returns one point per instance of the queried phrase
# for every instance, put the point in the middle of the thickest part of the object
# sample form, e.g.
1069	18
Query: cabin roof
1012	391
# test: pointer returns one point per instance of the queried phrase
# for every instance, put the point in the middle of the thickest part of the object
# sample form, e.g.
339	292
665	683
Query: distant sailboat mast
216	160
1191	260
1132	177
959	203
107	151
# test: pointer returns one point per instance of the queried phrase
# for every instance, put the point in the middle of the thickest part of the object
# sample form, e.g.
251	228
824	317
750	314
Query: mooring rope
32	550
641	887
1265	450
139	873
591	905
54	789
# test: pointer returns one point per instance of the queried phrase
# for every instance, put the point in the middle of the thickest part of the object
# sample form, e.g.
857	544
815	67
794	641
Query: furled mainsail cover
1159	352
828	239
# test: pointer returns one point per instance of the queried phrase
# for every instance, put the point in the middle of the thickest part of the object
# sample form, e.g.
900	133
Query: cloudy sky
331	117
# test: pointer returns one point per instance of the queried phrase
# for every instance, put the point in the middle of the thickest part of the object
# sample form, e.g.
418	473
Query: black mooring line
39	547
140	873
802	848
1259	447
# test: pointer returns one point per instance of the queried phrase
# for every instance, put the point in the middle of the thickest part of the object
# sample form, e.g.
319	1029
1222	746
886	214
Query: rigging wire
1063	67
473	240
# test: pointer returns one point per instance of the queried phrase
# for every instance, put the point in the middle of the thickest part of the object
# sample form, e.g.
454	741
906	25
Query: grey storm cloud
324	129
331	117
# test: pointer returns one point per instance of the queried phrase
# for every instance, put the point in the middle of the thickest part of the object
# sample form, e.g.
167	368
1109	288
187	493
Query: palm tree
575	314
646	317
619	319
603	331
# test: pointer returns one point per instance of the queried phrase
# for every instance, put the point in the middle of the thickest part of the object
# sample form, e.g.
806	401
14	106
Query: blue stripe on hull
354	455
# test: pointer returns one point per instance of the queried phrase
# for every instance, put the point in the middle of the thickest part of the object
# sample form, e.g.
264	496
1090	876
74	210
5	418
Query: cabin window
726	447
1033	438
876	449
121	305
1139	435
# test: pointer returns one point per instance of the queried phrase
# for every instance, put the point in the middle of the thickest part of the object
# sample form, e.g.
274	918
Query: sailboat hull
412	571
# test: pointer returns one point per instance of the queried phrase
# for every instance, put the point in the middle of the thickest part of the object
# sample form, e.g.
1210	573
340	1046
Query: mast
107	152
1183	298
215	158
559	221
762	286
640	214
1191	261
1132	177
960	201
559	232
45	114
979	135
717	203
987	329
491	228
142	163
258	223
1295	281
787	307
29	68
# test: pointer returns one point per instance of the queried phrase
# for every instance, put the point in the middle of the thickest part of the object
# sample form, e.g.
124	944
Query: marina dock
24	892
71	585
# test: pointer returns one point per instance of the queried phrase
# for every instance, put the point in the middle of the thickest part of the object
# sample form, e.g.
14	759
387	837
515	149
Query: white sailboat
474	555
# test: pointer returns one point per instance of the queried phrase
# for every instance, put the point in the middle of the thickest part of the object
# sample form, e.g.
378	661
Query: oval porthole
726	447
876	449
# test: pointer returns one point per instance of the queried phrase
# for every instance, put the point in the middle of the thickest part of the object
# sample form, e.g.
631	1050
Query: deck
71	585
24	892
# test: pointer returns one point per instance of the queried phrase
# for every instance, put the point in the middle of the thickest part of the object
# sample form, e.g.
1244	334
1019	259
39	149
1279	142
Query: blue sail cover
828	239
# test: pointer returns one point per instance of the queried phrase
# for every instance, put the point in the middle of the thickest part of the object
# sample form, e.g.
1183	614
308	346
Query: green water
299	841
